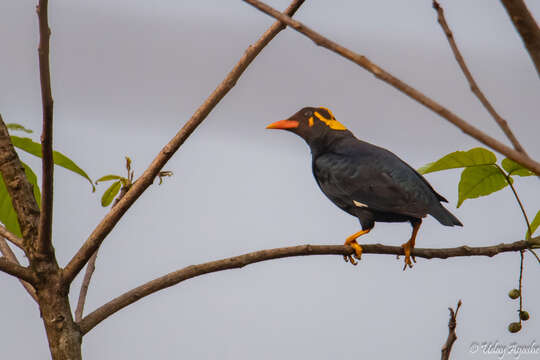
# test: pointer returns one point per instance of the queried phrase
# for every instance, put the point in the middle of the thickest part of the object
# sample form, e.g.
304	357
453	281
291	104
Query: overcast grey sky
127	74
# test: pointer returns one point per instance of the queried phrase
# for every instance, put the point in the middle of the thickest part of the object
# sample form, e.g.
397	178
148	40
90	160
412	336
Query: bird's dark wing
379	181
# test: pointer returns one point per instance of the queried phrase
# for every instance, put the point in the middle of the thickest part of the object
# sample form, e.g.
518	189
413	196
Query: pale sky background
127	75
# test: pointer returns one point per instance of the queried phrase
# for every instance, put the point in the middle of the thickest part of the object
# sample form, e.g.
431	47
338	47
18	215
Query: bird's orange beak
284	124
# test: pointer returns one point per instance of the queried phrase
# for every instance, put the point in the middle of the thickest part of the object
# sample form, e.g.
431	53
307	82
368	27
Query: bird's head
310	123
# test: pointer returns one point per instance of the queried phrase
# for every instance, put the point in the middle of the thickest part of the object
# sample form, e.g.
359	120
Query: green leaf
110	194
513	168
18	127
534	225
108	178
479	181
458	159
8	216
59	159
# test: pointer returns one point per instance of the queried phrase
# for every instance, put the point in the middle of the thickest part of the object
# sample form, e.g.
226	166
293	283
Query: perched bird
365	180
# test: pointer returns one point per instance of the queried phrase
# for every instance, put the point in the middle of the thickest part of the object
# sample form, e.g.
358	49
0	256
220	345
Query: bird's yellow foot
407	247
351	241
357	252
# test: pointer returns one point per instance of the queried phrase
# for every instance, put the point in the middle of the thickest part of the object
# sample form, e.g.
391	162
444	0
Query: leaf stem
509	181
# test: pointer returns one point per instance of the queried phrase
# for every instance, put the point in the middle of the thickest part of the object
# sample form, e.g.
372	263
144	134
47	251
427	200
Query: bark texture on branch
19	188
527	28
111	219
11	268
8	253
401	86
175	277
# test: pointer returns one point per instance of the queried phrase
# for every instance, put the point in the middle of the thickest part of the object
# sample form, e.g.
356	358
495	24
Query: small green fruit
523	315
514	294
514	327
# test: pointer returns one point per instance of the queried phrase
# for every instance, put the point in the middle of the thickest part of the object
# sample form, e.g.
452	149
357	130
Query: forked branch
452	337
111	219
365	63
9	255
16	270
503	124
173	278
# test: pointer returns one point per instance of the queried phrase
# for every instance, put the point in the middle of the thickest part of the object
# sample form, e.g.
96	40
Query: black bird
365	180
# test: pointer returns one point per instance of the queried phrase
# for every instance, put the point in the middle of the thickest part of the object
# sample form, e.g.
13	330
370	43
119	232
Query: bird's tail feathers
445	217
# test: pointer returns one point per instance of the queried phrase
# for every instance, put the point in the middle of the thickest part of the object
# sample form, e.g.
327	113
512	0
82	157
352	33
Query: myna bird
365	180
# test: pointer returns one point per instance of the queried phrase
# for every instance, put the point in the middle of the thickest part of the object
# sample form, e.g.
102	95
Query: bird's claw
407	247
357	253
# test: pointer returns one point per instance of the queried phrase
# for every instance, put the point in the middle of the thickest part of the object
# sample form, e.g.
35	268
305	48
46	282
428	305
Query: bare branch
401	86
173	278
90	267
16	270
527	28
44	243
111	219
452	337
19	188
503	124
14	239
8	254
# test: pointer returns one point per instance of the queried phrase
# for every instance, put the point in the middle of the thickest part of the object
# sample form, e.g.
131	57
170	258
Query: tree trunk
63	333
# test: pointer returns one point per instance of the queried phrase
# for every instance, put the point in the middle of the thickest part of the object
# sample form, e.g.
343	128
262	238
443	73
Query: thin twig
11	268
44	244
364	62
503	124
14	239
520	284
173	278
8	254
527	28
90	268
111	219
452	337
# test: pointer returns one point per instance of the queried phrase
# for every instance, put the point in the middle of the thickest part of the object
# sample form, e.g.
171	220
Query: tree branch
14	239
401	86
18	271
8	254
111	219
44	243
503	124
526	27
452	337
173	278
19	188
90	267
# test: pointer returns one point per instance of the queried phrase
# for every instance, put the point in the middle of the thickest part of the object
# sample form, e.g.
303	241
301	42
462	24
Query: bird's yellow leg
409	245
351	241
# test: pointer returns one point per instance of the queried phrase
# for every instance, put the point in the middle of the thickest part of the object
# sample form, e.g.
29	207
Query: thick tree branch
111	219
364	62
8	254
503	124
44	243
14	239
192	271
19	188
18	271
527	28
452	337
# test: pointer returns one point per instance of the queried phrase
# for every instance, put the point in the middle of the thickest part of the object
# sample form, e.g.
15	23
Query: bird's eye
308	113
